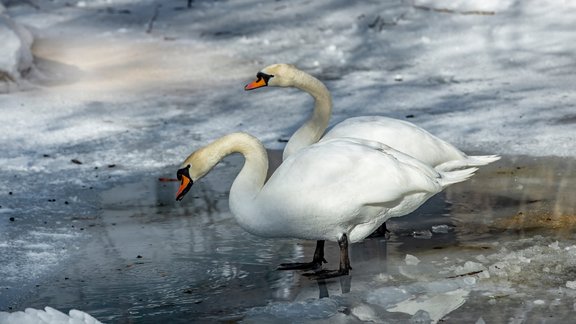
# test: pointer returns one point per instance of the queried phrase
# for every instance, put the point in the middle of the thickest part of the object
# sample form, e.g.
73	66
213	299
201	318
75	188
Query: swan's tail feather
478	160
471	161
451	177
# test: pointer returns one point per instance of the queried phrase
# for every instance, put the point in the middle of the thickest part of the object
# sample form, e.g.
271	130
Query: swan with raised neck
287	75
401	135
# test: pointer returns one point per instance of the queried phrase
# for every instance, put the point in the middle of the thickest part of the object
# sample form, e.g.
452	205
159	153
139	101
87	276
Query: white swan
398	134
338	190
47	316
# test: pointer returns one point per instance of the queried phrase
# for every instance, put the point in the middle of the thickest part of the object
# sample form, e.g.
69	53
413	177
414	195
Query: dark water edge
152	259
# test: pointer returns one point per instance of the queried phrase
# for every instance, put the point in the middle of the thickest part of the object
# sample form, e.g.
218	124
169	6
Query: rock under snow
16	58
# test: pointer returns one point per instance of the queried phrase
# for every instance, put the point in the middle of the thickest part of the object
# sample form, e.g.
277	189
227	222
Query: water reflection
521	194
152	259
345	285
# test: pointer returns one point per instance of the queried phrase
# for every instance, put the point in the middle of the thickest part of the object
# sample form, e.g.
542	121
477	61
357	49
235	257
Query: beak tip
180	195
185	185
259	83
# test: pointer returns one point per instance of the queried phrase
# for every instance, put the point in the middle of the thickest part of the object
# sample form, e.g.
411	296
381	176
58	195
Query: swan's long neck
251	177
314	127
248	182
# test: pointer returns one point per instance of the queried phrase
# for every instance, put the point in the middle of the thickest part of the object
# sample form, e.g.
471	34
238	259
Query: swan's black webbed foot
316	263
327	274
304	266
344	269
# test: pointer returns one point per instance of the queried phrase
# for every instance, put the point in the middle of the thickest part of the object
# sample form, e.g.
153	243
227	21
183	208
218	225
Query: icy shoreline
148	248
128	104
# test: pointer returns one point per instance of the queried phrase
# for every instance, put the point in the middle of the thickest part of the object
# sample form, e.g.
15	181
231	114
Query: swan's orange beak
185	182
259	83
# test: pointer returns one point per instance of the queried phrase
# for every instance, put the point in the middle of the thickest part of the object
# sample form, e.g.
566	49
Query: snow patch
16	57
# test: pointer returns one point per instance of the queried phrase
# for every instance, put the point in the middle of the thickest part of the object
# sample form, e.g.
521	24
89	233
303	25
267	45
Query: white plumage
47	316
398	134
339	189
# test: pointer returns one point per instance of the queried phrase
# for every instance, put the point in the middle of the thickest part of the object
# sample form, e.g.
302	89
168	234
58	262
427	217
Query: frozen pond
125	89
498	247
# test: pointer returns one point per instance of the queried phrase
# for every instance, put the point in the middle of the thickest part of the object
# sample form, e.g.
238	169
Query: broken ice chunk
423	234
411	260
440	229
571	284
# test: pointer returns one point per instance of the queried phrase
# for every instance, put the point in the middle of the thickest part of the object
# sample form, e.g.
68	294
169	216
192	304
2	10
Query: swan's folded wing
399	134
352	172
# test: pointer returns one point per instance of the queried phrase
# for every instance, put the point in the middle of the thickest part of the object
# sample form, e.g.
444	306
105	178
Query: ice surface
486	7
494	77
422	234
440	229
308	309
430	309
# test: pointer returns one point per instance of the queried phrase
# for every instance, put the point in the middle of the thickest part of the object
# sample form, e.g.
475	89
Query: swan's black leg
344	263
316	263
381	231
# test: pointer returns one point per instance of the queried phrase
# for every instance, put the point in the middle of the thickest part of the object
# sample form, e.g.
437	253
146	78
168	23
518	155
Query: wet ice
501	84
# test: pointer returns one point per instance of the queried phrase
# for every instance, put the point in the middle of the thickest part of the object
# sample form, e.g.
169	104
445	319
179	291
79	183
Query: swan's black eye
266	77
183	171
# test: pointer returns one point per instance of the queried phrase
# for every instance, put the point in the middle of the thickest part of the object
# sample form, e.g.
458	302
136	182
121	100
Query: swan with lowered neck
338	190
398	134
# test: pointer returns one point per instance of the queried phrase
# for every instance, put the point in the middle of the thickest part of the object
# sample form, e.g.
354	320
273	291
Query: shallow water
152	259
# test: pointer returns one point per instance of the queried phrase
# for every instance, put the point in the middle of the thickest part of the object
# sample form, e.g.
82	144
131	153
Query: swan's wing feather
335	186
399	134
339	169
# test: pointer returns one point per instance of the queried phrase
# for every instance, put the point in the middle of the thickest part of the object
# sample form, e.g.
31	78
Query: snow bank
16	59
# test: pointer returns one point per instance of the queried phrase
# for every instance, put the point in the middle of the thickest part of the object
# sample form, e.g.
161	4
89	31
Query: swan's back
400	135
344	166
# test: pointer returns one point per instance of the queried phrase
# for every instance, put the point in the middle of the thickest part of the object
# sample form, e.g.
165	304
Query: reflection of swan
47	316
338	190
400	135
